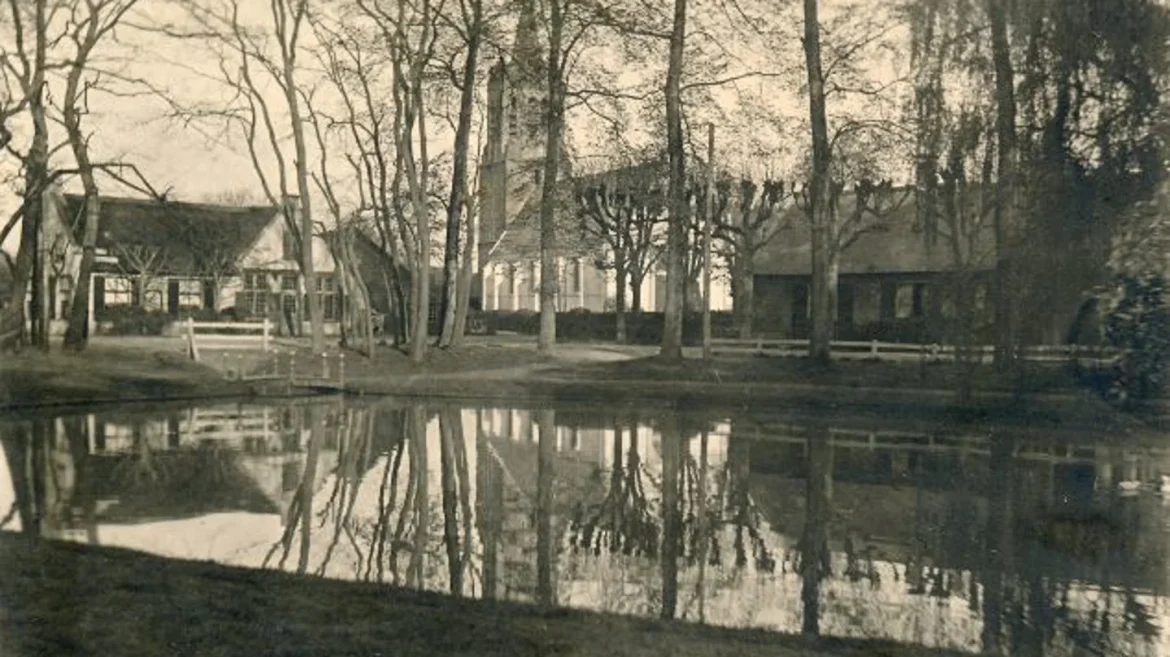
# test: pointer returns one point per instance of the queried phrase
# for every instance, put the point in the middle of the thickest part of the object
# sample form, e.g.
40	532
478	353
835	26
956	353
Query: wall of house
887	299
501	292
268	252
773	306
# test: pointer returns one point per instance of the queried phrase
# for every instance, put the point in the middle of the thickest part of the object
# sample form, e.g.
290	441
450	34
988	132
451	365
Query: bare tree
676	192
356	66
471	26
24	66
824	281
409	35
98	22
246	65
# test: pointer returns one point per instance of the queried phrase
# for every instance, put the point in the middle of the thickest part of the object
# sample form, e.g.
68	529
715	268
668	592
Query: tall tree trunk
671	513
820	217
620	300
308	485
676	239
555	121
997	549
466	276
422	274
316	317
745	288
636	279
455	203
449	483
1006	281
77	333
28	263
814	552
422	504
546	594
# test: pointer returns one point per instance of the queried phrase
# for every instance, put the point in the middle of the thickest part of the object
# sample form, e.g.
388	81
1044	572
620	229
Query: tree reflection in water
622	522
692	529
814	542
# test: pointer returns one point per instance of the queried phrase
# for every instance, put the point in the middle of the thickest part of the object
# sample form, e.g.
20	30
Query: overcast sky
759	128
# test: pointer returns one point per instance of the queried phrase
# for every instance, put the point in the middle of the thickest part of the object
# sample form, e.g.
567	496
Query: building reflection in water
995	542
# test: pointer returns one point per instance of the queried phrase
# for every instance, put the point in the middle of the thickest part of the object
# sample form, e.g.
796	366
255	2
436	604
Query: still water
980	540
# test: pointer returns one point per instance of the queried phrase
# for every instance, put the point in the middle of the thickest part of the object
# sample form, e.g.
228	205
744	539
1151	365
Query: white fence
907	352
227	335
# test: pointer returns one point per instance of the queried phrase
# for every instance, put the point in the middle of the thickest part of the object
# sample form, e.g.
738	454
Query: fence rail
227	335
905	351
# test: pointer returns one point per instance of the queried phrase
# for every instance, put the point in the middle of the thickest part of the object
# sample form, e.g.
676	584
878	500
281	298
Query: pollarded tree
624	209
749	224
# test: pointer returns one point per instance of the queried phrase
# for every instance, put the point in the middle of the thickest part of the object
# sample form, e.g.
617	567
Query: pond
985	539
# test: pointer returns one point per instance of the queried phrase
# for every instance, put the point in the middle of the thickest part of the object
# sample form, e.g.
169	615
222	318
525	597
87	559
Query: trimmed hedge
584	326
134	320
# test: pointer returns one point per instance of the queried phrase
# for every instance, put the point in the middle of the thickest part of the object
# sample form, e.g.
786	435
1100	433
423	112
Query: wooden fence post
873	351
341	369
264	339
192	348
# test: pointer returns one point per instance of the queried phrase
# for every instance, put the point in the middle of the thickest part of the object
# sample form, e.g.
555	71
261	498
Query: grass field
65	599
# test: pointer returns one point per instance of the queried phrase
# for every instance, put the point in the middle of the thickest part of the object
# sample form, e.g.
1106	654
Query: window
981	305
288	282
64	296
508	278
330	300
253	299
288	245
909	300
904	301
190	293
574	276
118	291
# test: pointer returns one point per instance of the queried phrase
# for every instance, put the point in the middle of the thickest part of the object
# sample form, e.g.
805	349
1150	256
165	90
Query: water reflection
996	542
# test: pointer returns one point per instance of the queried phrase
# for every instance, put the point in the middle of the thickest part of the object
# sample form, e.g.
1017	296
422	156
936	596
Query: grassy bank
65	599
108	373
1045	397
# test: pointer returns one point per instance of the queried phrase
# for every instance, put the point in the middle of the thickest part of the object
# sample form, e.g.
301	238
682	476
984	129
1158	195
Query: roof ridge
168	202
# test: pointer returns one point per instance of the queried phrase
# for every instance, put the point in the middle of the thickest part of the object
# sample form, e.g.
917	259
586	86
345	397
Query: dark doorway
845	311
800	310
173	298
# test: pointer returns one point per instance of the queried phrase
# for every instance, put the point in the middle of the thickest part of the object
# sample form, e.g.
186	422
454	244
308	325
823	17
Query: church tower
516	132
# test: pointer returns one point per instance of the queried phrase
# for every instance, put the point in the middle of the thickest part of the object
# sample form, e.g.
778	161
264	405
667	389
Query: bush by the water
1138	324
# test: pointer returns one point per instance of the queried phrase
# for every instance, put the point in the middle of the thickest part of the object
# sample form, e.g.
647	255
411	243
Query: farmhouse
892	284
172	259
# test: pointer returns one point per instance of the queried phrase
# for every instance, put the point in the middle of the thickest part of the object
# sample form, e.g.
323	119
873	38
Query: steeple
527	50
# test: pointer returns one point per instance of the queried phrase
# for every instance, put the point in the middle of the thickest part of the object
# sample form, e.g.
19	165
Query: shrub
1138	324
133	320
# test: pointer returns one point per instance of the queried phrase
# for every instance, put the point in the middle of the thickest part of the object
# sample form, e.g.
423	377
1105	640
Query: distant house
374	267
184	259
891	279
